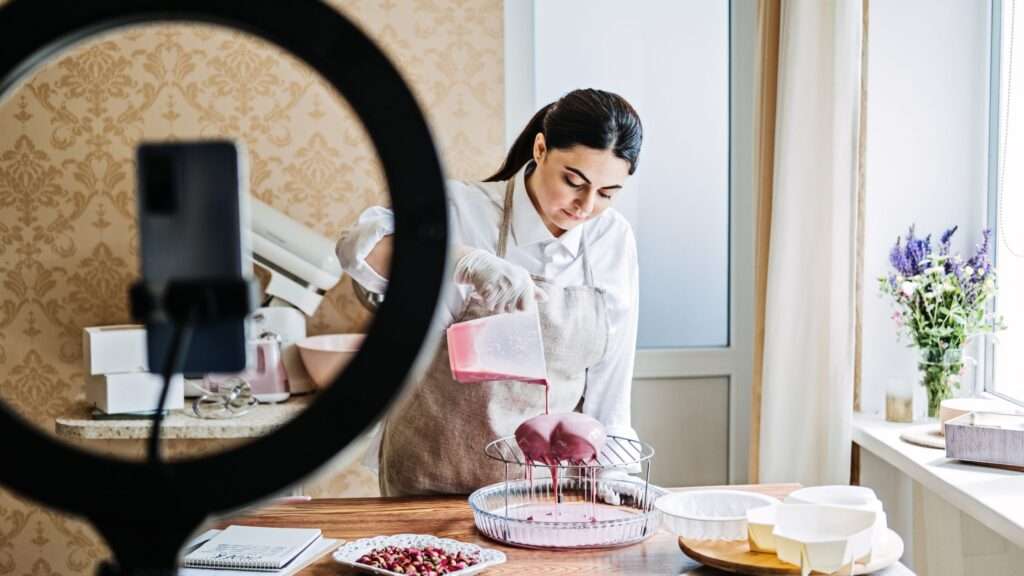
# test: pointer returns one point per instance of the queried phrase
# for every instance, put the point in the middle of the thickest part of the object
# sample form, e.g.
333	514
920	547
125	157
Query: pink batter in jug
499	347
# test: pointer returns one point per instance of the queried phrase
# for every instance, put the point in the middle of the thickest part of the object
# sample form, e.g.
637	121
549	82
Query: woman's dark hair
592	118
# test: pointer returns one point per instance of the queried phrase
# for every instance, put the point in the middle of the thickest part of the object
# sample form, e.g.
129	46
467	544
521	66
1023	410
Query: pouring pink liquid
499	347
554	438
510	347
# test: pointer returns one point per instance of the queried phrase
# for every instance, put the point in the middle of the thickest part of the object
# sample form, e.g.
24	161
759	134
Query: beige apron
434	442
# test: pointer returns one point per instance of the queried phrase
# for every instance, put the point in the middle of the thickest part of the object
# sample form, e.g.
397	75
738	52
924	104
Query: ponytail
522	149
592	118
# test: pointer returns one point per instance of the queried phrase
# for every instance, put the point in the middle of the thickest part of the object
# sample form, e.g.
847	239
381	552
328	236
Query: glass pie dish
596	505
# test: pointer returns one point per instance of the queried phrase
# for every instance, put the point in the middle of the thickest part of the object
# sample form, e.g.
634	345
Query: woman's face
570	186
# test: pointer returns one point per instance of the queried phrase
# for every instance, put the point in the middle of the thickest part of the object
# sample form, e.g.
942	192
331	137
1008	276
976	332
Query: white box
133	392
114	349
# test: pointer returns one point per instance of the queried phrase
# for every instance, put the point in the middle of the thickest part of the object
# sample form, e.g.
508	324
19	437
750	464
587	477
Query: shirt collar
527	225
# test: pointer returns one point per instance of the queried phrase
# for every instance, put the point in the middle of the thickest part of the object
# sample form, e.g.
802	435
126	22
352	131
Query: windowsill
993	496
1007	404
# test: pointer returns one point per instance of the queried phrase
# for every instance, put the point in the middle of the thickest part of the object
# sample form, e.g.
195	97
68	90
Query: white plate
733	557
352	551
890	553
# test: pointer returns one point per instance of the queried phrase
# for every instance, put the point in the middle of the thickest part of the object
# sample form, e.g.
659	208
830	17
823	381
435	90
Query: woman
538	233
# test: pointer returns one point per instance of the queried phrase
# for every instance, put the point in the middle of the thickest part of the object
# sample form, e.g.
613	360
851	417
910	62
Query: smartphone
192	203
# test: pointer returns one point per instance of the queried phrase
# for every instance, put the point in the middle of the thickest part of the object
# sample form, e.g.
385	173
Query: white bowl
710	514
760	528
326	355
841	495
835	495
823	538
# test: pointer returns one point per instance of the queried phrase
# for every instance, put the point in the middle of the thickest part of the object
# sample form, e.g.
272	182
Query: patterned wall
67	234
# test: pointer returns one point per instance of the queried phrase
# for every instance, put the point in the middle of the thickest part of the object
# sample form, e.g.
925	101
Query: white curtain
807	389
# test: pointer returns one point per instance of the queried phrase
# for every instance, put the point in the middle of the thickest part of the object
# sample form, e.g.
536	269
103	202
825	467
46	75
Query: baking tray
987	438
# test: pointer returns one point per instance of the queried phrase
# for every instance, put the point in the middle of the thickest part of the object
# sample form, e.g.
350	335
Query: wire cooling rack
618	452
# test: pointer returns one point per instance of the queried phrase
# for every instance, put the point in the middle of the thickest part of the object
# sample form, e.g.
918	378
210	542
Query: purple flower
940	296
898	259
955	267
947	235
911	258
918	251
944	240
980	262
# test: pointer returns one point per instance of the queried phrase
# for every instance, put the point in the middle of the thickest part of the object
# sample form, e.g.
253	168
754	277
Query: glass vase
940	374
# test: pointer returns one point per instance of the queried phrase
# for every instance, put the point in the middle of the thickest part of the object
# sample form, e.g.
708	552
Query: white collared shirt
475	210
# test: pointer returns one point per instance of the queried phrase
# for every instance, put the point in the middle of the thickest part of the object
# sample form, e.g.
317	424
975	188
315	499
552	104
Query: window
688	67
1005	366
678	201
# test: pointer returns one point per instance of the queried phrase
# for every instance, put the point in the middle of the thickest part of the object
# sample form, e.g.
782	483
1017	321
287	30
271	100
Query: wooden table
451	517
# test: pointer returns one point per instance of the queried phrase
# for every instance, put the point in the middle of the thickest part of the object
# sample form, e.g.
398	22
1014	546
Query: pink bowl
326	355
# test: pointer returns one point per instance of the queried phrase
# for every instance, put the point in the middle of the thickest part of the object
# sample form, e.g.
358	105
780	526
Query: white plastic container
855	497
710	514
822	538
760	528
499	347
836	495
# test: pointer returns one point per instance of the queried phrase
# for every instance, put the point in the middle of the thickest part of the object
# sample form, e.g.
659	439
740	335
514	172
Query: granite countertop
260	421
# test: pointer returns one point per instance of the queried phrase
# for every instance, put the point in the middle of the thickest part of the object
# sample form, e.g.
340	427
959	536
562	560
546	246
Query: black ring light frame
146	512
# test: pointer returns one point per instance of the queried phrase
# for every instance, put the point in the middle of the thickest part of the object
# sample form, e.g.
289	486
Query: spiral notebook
252	548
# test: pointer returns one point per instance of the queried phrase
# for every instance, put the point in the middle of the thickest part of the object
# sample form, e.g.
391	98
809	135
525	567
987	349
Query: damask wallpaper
67	233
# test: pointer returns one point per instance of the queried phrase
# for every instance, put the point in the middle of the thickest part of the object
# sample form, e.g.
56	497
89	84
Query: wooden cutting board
735	556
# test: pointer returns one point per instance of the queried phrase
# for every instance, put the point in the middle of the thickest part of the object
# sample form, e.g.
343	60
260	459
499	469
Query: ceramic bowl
326	355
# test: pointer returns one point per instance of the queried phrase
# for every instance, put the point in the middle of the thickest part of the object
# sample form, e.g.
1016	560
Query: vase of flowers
940	301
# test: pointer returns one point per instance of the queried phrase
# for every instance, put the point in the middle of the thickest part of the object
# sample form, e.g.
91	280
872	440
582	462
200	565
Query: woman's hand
503	286
380	257
364	249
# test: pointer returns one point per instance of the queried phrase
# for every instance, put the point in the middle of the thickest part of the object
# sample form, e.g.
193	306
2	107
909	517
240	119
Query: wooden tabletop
451	517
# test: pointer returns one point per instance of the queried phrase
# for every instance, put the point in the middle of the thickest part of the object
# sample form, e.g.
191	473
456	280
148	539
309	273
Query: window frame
987	369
